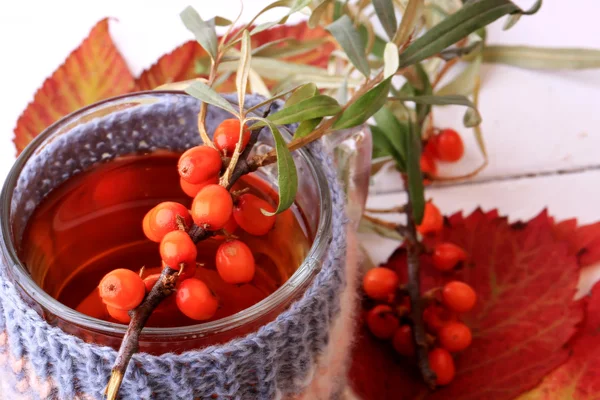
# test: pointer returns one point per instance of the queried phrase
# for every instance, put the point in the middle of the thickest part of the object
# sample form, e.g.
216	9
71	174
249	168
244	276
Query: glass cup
145	122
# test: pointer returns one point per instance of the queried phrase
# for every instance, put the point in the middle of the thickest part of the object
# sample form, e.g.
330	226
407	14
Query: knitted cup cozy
39	361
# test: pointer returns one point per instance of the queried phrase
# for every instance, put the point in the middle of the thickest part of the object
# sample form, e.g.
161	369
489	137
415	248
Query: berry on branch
195	300
177	247
227	135
192	189
199	164
441	362
447	255
433	221
449	146
455	336
235	262
436	317
248	214
428	165
458	296
380	284
382	321
403	341
162	219
120	315
212	207
122	289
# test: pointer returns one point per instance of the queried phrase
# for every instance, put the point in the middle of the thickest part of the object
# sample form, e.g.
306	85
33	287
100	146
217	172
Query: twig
392	210
414	288
163	288
381	222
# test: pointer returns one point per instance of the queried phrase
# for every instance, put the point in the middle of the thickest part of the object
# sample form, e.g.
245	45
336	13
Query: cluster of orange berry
389	319
446	145
213	209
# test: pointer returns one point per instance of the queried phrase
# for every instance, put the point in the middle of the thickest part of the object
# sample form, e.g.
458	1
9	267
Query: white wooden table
541	128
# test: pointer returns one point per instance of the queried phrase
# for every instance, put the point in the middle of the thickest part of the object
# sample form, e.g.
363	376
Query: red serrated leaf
578	378
92	72
583	240
525	278
180	64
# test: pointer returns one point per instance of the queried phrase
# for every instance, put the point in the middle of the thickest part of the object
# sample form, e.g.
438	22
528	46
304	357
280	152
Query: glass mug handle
351	149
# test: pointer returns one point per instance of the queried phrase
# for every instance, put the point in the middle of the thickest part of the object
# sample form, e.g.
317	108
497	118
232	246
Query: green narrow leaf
471	17
287	176
542	58
477	129
387	16
257	85
411	15
390	60
513	19
306	127
472	116
295	6
204	93
220	21
288	47
312	107
416	191
395	131
302	93
367	105
241	78
317	13
464	83
204	32
382	146
349	38
451	53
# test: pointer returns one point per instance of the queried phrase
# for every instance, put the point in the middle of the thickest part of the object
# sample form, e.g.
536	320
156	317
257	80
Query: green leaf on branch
302	93
390	60
472	116
204	93
514	18
542	58
293	5
317	13
411	15
383	146
363	108
313	107
241	78
287	176
366	226
416	192
455	52
387	16
463	83
471	17
348	37
306	127
396	133
203	31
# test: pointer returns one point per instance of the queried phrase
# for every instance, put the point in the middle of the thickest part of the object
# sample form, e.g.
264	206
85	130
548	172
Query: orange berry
431	148
122	288
441	362
195	300
150	281
212	207
449	146
235	262
177	247
455	336
168	304
428	165
403	341
380	284
458	296
227	135
199	164
192	189
162	219
432	222
436	317
447	255
248	214
118	314
382	321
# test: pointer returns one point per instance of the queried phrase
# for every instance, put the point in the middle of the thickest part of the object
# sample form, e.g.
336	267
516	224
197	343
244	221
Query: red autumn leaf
525	278
578	378
180	64
92	72
583	240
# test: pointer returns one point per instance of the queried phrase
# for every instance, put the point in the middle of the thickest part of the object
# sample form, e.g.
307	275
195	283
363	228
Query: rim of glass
23	279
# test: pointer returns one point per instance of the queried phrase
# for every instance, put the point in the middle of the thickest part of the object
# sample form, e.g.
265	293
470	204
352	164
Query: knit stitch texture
273	362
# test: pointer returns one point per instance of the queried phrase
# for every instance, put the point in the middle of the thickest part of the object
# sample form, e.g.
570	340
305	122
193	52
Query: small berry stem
414	289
